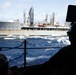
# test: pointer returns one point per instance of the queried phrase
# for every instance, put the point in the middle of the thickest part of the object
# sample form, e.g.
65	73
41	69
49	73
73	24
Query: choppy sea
39	49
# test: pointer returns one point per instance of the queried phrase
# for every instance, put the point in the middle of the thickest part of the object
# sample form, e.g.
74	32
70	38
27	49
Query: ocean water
39	49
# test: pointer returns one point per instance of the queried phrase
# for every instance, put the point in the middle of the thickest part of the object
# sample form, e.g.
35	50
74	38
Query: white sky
13	9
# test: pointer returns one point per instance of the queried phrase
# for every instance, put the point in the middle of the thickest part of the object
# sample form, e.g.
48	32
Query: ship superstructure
10	25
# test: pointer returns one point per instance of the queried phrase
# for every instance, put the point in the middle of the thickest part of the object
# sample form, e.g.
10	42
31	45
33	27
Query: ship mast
52	20
24	16
46	19
31	16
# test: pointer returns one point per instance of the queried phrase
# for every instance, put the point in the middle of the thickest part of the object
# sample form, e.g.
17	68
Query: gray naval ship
22	29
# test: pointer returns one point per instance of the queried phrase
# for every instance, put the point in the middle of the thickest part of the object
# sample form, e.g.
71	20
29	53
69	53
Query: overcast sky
13	9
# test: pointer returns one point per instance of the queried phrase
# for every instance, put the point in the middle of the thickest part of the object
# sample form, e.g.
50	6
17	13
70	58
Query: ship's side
45	30
15	28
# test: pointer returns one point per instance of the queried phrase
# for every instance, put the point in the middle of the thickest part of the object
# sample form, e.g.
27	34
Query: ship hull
15	28
33	32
